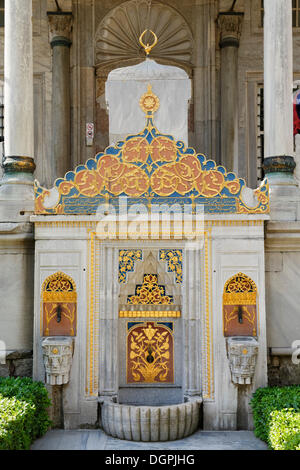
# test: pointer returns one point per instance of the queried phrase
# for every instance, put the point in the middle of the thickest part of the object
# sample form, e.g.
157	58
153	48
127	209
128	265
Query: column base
284	189
280	170
16	189
18	164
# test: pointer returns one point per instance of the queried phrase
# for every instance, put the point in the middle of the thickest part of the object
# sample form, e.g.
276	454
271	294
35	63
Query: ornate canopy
150	168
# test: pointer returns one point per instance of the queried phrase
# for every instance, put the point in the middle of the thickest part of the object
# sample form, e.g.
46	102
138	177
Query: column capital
60	28
230	25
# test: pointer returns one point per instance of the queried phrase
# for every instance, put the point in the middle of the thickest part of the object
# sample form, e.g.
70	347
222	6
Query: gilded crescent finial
147	46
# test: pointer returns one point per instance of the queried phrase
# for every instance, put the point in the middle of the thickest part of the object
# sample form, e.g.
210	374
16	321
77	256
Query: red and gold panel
150	354
239	320
59	306
239	306
59	319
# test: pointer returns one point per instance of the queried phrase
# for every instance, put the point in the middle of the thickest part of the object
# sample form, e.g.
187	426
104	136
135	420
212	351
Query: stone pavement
98	440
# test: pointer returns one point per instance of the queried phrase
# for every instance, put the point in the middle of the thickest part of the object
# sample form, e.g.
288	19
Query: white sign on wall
89	133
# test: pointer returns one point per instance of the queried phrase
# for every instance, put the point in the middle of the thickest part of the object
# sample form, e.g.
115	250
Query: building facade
243	65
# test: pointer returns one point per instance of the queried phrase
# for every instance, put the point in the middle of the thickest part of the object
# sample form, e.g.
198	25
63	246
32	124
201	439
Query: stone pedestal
60	27
57	355
230	29
242	354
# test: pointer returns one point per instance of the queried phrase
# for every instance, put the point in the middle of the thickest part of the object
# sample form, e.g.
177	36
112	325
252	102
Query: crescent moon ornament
147	46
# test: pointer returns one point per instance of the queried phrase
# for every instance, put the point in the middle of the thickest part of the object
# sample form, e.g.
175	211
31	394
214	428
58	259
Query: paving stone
98	440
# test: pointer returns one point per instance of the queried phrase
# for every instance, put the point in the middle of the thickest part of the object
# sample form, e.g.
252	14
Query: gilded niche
150	353
239	306
59	305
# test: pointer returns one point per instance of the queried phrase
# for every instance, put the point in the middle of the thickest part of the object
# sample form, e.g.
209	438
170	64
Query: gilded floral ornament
240	289
150	293
127	260
150	354
149	102
151	166
174	262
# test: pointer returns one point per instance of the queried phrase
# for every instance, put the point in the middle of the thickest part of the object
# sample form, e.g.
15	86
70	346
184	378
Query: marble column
16	190
279	163
203	132
60	28
230	24
18	166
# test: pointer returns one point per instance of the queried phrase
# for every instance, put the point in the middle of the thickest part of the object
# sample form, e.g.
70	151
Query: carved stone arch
117	36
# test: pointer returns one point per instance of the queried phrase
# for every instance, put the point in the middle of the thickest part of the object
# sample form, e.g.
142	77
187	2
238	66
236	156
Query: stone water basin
151	423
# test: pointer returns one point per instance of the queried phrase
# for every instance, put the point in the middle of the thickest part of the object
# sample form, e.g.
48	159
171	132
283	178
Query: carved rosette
230	25
57	356
60	28
242	356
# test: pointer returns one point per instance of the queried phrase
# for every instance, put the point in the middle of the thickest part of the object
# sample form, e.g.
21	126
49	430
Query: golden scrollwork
149	163
240	290
150	354
174	260
127	260
150	293
59	288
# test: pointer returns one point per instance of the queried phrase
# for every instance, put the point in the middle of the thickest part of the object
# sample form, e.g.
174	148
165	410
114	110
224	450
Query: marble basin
151	423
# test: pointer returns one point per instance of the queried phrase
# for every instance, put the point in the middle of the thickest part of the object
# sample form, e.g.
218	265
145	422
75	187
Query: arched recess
240	306
117	45
149	262
59	305
117	36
